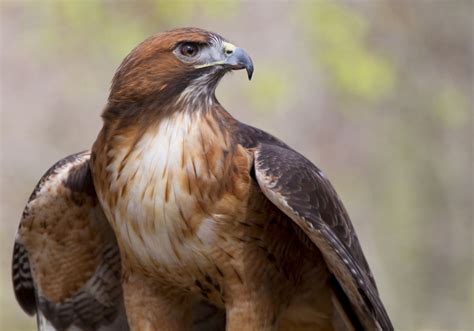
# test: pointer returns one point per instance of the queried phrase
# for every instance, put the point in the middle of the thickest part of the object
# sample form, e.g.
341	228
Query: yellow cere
228	47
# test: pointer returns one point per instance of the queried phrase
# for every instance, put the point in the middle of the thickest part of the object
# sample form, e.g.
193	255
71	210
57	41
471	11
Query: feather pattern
303	193
66	264
22	280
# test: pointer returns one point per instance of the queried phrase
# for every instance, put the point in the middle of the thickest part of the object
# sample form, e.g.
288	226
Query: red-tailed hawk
217	223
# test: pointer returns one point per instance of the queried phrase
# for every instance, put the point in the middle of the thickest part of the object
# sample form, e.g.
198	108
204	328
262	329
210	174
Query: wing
66	263
301	191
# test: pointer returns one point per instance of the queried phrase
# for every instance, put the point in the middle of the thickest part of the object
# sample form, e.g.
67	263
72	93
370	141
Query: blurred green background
377	93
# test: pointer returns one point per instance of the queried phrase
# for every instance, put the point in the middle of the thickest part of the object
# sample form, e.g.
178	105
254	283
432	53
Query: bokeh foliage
340	36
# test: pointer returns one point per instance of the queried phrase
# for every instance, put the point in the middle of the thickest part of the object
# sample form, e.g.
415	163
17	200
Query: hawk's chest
172	187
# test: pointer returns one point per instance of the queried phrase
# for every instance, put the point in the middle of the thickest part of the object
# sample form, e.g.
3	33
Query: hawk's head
187	60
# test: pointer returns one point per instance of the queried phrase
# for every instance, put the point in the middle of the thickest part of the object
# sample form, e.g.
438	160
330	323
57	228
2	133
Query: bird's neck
195	119
191	126
168	99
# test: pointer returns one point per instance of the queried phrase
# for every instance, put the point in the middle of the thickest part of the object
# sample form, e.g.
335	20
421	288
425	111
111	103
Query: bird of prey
183	218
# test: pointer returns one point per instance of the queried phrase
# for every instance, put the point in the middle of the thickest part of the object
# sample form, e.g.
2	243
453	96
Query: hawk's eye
189	49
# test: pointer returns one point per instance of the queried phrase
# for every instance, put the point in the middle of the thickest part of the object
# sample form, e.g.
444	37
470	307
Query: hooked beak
237	58
230	56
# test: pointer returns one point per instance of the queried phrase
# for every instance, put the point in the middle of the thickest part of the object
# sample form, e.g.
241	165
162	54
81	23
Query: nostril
229	51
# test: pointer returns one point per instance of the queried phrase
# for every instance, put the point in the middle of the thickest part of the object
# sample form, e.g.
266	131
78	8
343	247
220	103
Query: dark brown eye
189	49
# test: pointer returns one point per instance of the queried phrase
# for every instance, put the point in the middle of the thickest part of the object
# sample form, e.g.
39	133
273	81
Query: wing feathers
66	262
302	192
22	280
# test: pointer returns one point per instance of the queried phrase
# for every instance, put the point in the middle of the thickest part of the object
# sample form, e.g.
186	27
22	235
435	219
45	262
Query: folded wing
302	192
66	263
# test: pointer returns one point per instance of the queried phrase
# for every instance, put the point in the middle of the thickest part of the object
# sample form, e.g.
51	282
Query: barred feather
66	263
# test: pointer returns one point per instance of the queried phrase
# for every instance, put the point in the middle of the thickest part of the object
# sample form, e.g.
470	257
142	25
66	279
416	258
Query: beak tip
240	60
250	72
